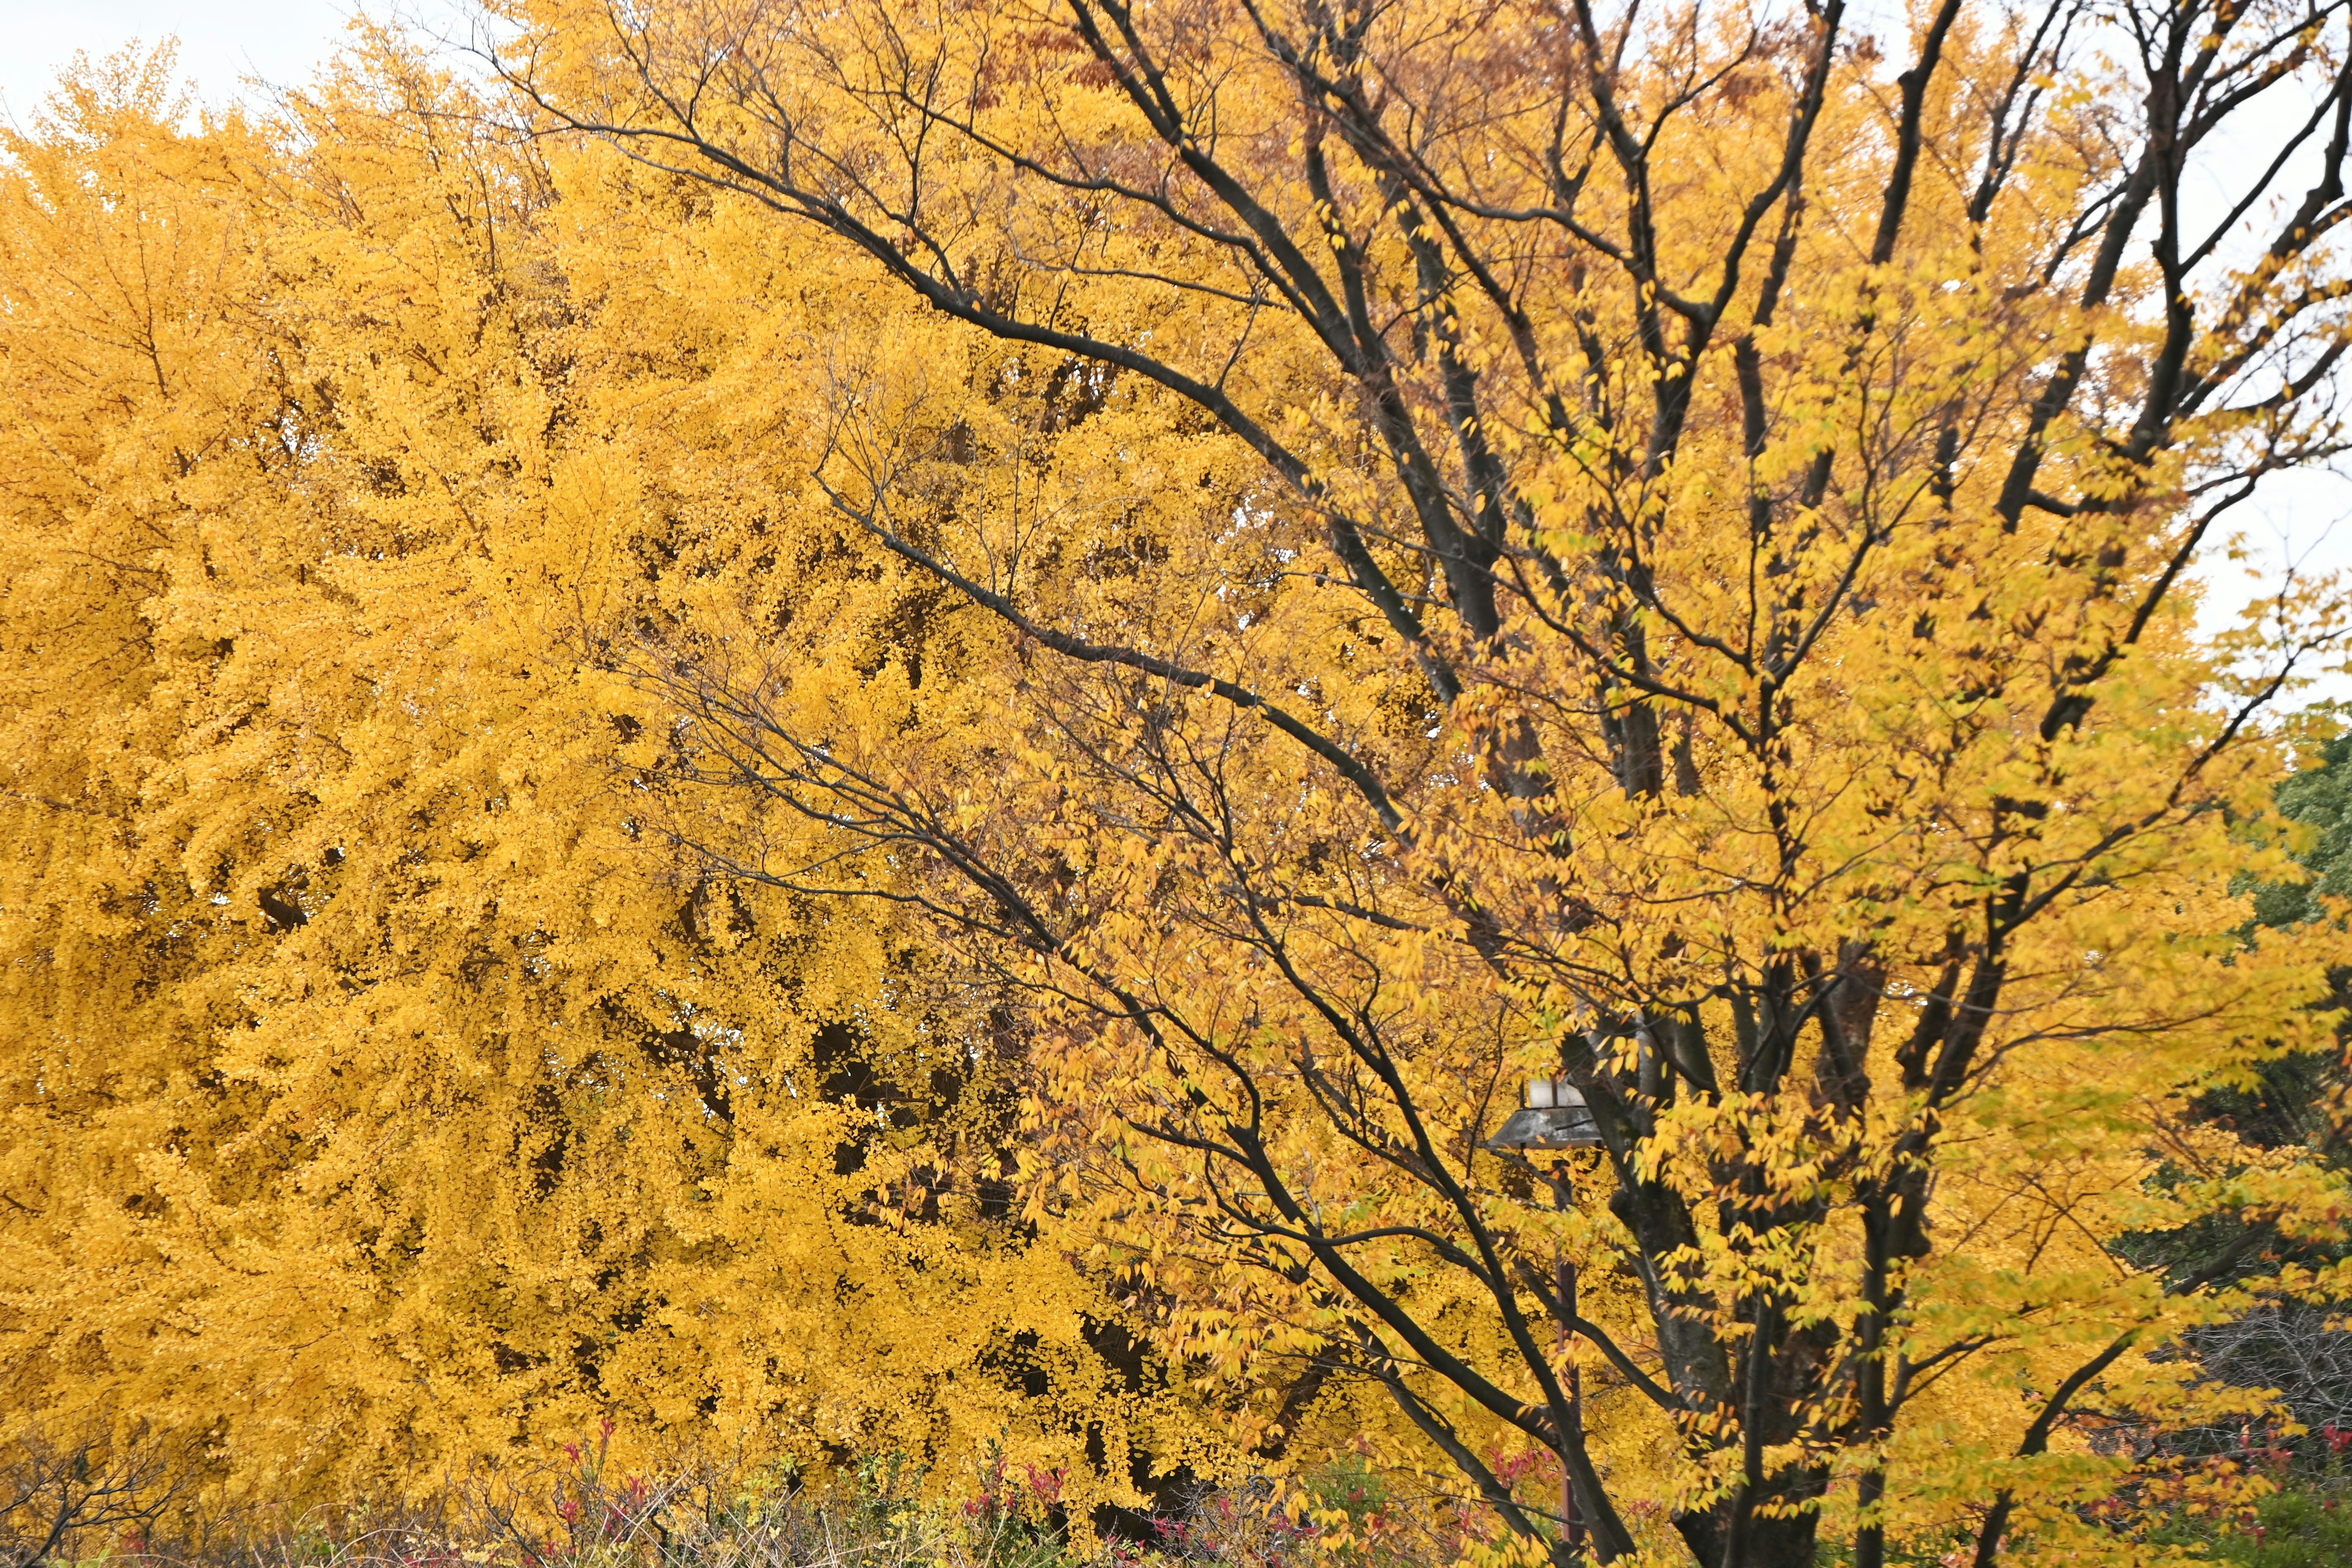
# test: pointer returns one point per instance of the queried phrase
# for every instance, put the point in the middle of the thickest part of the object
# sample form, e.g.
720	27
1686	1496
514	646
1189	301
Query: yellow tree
1645	548
378	1101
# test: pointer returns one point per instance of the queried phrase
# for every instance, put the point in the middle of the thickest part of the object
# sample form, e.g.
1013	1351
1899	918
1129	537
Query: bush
2305	1525
578	1511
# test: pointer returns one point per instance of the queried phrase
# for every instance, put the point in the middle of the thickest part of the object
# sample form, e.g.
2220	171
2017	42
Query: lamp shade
1555	1117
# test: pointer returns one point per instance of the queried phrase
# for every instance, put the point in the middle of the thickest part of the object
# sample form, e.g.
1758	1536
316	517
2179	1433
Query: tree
379	1102
2297	1099
1505	541
2316	798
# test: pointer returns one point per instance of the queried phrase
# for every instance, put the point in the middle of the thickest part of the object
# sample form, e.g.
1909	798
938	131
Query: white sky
221	41
2306	521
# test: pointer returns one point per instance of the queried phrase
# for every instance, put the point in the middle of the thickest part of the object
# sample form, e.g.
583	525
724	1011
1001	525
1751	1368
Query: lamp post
1554	1121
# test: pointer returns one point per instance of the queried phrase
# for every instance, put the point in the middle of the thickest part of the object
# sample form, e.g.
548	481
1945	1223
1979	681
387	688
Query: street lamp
1554	1121
1554	1118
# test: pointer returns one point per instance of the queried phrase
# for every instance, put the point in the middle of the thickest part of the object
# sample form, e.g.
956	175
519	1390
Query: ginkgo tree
1470	542
379	1107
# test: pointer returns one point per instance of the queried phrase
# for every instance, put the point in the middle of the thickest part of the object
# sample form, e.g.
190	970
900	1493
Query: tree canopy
378	1103
899	725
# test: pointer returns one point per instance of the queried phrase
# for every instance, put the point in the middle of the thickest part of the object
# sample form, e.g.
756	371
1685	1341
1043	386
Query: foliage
2319	798
1469	543
946	826
378	1099
584	1511
2290	1100
2298	1526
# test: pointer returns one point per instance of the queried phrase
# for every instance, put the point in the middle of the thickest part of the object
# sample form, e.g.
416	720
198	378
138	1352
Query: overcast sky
221	41
225	42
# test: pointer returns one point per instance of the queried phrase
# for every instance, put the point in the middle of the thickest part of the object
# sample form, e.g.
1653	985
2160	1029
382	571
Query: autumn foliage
379	1099
893	728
